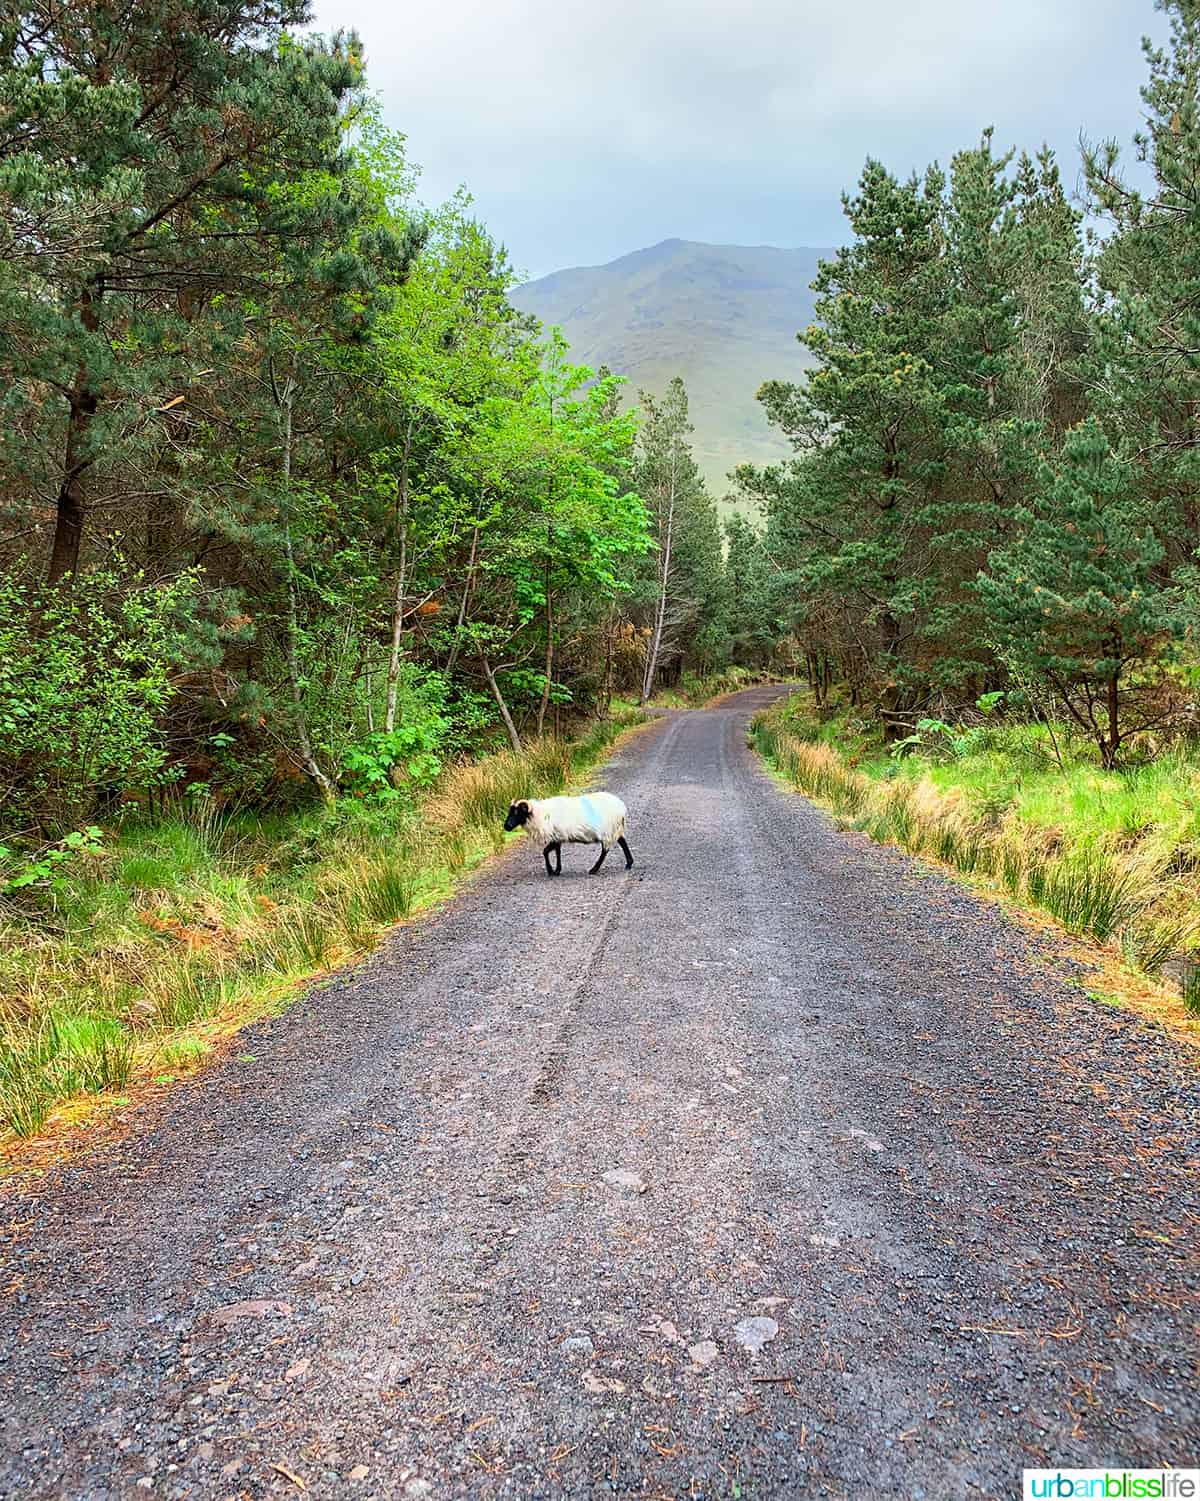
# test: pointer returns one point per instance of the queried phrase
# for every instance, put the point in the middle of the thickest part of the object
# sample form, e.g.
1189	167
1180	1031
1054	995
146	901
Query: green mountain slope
725	317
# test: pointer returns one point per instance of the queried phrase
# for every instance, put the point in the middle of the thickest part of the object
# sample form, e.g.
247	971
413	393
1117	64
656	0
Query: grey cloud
588	130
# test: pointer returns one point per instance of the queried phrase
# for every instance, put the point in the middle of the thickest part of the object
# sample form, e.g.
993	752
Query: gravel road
778	1166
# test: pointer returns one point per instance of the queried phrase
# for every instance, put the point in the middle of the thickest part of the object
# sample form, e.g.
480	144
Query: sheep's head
518	813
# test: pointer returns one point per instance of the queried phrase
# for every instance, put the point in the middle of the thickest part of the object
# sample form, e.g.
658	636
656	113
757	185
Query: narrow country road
486	1218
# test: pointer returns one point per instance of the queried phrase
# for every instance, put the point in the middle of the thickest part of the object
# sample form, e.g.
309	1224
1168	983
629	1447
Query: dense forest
293	503
995	484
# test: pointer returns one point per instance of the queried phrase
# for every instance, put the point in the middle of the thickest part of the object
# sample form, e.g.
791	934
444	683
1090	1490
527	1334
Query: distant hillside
725	317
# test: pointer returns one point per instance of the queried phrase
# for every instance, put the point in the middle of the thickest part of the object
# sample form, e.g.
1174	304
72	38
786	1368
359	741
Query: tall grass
187	928
1116	864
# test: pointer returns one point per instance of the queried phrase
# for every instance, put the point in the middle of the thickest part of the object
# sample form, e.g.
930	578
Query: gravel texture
776	1167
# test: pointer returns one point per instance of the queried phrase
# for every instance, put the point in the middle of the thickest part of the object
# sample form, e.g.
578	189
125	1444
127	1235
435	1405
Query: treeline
997	471
292	500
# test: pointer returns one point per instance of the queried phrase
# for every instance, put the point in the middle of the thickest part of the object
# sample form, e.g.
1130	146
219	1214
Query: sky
585	129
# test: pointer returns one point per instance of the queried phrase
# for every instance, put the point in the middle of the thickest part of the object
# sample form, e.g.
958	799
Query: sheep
598	818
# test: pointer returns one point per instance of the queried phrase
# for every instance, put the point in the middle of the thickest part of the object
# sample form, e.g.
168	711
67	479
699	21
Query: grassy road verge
177	933
1111	856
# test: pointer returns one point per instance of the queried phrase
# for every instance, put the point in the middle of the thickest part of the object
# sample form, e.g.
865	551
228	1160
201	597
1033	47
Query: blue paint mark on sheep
595	818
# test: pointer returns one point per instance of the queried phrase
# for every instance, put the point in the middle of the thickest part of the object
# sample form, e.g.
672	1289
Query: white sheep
598	818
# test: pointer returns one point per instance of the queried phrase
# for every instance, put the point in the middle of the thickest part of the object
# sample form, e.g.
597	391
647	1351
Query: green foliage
46	869
321	496
84	691
1077	597
407	752
680	599
941	343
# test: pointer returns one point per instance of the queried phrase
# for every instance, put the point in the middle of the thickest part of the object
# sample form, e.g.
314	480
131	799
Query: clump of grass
182	1053
92	1053
1149	941
61	1056
1088	892
147	873
384	893
185	993
26	1095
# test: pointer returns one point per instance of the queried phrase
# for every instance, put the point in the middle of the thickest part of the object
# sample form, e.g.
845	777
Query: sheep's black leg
558	858
628	853
557	848
600	862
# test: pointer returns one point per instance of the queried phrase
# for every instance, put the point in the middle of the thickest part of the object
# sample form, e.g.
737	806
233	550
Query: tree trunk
1112	742
665	581
889	698
514	738
608	660
303	741
462	604
398	596
72	498
549	670
889	626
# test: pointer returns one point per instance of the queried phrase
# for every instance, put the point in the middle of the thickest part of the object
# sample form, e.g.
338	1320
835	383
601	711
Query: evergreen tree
666	468
142	152
1145	368
1075	599
870	416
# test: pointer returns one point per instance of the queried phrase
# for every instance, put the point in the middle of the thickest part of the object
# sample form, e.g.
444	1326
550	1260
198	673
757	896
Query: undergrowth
693	690
177	932
1111	855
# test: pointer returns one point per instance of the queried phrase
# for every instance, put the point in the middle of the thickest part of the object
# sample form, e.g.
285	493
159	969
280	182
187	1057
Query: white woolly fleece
598	818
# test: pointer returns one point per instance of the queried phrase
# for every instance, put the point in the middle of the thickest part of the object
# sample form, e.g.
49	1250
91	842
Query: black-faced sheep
598	818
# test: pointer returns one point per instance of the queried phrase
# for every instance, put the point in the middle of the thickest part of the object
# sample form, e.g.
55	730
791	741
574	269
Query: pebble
619	1177
753	1333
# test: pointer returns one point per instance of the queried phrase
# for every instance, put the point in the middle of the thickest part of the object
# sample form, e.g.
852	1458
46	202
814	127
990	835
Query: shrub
82	697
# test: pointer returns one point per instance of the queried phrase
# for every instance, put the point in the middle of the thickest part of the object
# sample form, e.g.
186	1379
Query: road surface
778	1166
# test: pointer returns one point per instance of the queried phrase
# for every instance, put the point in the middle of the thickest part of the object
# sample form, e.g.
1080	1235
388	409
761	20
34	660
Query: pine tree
1076	598
180	123
1145	370
666	473
870	419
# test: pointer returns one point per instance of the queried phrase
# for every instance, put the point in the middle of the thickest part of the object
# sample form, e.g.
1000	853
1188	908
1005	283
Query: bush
85	675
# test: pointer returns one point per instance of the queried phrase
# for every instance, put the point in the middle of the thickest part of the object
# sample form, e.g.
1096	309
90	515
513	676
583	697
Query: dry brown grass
1128	911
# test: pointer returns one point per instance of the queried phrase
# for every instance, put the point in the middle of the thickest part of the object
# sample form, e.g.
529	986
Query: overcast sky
588	128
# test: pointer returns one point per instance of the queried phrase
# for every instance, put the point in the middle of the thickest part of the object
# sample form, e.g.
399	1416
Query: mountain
725	317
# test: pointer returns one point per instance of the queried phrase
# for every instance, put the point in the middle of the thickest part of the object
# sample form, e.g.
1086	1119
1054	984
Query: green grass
181	931
1111	855
693	691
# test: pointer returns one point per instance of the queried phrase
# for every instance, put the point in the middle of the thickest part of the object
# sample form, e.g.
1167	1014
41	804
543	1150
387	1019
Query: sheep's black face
518	813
